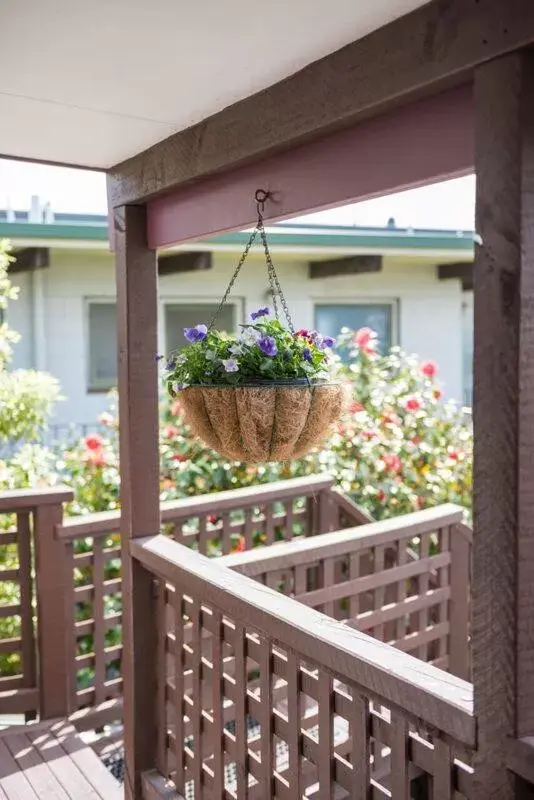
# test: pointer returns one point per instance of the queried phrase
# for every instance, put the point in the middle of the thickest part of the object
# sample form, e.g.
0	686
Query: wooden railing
212	524
27	687
260	696
404	580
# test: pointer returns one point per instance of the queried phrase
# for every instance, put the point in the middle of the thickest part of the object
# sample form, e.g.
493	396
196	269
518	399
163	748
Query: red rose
212	519
381	495
412	404
392	462
429	368
179	457
93	442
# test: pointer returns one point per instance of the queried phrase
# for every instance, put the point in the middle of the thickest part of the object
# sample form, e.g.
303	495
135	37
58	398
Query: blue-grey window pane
178	317
467	355
330	319
102	346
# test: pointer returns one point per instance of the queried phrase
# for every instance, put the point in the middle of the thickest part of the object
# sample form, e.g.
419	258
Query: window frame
92	386
392	302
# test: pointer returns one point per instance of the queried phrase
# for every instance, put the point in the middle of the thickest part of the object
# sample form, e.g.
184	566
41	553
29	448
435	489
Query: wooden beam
503	539
354	265
419	54
30	258
461	270
139	459
422	142
184	262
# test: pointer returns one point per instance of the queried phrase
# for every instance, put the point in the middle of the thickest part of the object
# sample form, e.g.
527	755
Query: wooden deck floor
49	761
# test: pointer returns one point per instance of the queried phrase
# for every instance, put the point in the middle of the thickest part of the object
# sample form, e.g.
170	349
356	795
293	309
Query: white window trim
91	387
339	300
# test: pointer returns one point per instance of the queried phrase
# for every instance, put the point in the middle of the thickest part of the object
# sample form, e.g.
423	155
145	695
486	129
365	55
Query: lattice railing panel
245	716
17	638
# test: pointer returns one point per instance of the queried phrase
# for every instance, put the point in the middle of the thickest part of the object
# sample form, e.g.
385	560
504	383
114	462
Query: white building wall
19	317
429	320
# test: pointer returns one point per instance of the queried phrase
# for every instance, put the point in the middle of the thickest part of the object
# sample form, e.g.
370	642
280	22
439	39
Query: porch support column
503	563
136	269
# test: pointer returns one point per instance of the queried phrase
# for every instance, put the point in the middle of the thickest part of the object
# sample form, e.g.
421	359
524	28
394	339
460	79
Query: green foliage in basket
264	350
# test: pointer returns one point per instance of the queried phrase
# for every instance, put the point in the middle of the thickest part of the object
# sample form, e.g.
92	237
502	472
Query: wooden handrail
283	555
27	499
104	522
384	673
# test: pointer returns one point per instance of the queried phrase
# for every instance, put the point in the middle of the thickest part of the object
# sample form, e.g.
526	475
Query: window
102	346
329	319
180	316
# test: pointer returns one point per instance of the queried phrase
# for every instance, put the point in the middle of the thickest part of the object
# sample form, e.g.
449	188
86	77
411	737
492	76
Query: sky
449	205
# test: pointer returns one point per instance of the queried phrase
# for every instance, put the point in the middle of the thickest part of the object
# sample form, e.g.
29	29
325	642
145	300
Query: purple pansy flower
196	334
329	341
307	354
261	312
268	345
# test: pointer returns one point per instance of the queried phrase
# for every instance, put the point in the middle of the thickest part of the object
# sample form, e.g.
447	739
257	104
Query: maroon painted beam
426	141
352	265
435	47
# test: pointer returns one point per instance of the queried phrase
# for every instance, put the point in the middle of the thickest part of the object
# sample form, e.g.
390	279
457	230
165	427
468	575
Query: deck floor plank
36	771
50	761
89	764
65	770
13	782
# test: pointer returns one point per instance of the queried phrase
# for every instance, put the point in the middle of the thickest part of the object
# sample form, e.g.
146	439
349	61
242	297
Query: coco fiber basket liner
264	421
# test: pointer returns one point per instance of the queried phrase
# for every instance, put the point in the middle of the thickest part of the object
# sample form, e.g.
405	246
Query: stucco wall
429	312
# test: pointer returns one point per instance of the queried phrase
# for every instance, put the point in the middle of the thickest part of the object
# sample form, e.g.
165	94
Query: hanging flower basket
267	394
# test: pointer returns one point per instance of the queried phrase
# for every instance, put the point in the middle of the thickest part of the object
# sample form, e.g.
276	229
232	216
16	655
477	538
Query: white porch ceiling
93	83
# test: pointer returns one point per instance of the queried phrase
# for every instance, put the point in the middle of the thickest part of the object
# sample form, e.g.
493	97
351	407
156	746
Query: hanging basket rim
293	383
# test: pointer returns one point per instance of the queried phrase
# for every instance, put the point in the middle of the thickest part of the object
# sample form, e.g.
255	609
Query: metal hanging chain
233	278
261	196
271	271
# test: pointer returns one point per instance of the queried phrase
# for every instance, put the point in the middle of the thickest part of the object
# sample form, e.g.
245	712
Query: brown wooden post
459	603
54	614
136	269
503	558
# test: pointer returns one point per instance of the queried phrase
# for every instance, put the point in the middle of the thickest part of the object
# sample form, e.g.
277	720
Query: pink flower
365	339
355	407
176	408
105	418
368	434
93	442
412	404
170	431
392	462
95	458
429	368
453	454
179	457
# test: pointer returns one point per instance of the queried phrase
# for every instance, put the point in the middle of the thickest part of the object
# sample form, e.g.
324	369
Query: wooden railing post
53	584
459	650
